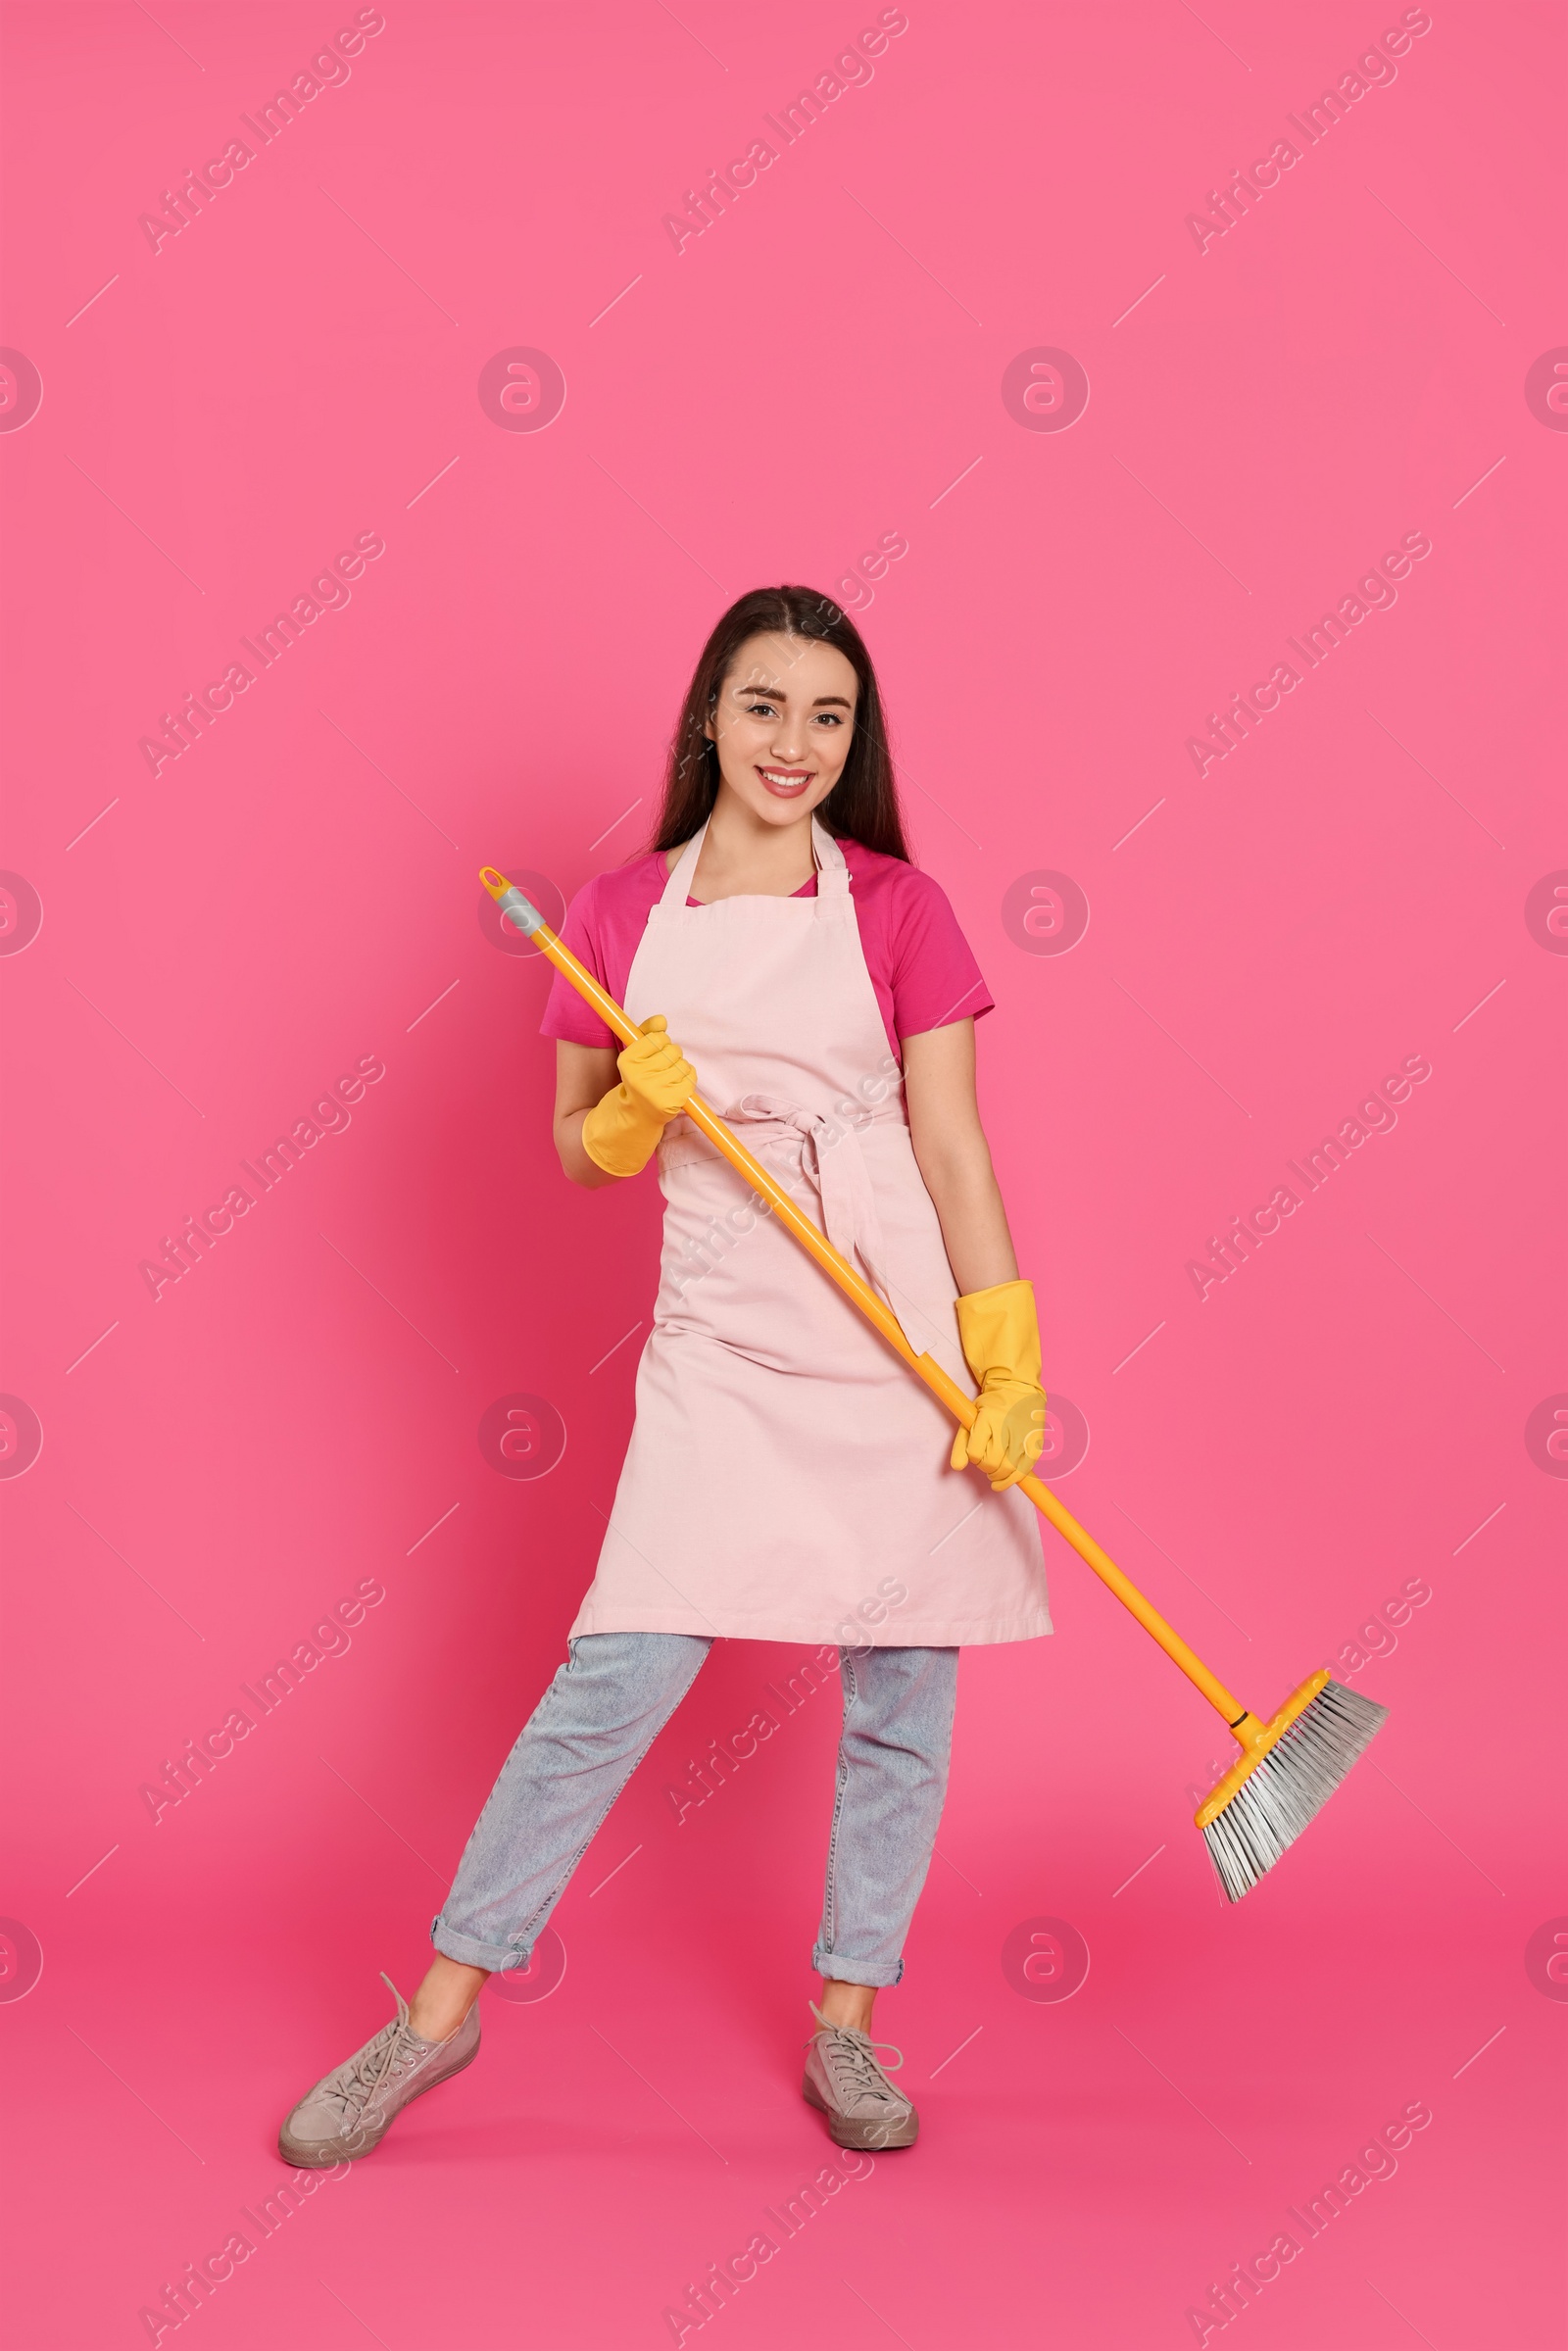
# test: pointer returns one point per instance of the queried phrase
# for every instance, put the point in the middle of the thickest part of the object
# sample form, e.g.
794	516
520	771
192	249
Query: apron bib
787	1476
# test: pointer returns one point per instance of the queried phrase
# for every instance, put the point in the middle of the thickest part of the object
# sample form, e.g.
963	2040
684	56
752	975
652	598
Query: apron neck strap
678	888
832	872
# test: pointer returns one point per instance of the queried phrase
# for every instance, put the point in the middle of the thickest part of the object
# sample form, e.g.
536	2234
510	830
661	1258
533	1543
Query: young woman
787	1478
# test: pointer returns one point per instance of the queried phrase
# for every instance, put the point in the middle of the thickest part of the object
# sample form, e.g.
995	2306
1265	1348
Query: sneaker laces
852	2057
379	2062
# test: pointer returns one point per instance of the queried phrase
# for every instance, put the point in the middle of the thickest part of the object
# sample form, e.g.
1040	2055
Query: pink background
1345	364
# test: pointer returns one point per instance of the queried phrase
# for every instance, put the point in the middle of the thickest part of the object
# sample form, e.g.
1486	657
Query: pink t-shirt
920	963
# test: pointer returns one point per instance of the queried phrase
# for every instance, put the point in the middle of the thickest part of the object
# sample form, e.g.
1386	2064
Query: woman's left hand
1008	1432
1000	1337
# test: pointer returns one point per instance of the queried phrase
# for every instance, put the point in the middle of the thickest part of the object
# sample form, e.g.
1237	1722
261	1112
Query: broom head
1284	1779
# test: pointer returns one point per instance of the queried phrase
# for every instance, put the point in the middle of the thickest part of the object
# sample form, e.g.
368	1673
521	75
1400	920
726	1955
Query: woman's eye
829	719
762	709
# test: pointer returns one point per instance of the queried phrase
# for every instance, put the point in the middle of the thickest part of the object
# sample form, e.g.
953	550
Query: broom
1289	1766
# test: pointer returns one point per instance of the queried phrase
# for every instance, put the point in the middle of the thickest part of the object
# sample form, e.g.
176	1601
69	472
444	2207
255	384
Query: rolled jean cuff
834	1968
468	1951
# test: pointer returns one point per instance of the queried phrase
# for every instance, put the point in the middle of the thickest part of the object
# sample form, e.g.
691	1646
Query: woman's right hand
621	1133
656	1072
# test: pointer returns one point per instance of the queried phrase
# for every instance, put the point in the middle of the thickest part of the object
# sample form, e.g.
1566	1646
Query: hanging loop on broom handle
515	909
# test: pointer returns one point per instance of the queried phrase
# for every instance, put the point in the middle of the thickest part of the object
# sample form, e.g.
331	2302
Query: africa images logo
851	70
185	1250
328	70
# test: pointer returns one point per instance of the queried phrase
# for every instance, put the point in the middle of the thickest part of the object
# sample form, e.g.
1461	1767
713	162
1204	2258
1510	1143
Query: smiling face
783	725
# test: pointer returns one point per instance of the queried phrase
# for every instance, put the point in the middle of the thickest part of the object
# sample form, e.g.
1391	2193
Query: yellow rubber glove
1000	1337
620	1134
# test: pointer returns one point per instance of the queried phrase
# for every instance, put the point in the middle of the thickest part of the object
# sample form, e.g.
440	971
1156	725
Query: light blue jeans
598	1719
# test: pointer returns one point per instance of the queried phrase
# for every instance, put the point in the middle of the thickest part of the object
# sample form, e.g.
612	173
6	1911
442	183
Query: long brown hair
864	805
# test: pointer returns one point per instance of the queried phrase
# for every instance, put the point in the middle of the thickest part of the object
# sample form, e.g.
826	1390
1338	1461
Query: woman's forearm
584	1074
968	1204
573	1157
953	1157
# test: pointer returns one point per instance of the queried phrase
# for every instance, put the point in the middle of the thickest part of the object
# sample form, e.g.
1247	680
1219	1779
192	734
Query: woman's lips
785	783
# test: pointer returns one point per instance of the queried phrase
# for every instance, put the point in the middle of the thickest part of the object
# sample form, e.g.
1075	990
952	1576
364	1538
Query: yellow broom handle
961	1407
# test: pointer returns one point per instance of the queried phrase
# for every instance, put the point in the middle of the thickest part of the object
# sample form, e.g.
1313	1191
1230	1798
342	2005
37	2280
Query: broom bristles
1288	1786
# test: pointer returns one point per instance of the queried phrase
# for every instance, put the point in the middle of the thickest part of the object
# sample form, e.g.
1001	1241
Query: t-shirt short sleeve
604	927
921	965
933	976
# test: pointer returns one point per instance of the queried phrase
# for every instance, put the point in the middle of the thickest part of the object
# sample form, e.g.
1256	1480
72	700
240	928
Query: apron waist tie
831	1158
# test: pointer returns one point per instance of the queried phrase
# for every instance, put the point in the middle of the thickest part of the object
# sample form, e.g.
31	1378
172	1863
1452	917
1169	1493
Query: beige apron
787	1476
